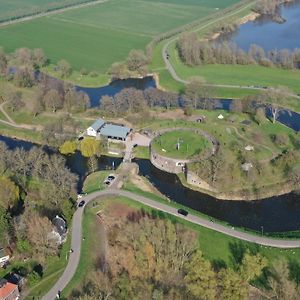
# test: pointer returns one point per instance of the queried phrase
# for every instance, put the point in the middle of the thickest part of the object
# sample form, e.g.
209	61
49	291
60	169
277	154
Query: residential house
8	291
94	129
60	230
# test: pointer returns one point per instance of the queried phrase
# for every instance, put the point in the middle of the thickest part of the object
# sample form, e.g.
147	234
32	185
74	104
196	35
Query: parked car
183	212
109	179
81	203
135	145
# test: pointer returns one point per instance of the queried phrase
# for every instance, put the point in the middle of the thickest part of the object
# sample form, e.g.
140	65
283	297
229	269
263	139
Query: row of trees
196	52
152	258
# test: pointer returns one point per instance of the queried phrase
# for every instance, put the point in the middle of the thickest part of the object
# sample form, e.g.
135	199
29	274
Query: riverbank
259	194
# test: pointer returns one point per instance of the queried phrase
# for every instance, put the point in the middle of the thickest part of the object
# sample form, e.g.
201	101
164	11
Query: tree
39	57
24	56
137	61
15	100
274	97
68	147
39	235
282	288
200	279
260	115
53	100
3	62
24	76
37	105
64	68
232	286
196	89
90	148
9	193
252	266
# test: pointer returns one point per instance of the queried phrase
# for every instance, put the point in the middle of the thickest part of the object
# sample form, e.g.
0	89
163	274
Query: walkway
77	233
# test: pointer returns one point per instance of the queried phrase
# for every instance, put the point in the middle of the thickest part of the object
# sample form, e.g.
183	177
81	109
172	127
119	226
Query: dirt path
265	160
54	12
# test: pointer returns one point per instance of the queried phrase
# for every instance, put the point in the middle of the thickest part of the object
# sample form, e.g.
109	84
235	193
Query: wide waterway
275	214
271	35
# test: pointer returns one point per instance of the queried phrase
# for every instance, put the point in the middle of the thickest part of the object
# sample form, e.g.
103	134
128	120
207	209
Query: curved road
175	76
77	233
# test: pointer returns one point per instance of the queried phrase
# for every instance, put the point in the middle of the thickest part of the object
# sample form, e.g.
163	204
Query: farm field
10	9
95	37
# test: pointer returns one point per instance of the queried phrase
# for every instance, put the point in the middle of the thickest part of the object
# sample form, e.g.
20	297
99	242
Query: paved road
175	76
77	233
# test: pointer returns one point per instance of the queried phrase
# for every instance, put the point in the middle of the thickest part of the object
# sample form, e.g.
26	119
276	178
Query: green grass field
95	37
190	144
18	8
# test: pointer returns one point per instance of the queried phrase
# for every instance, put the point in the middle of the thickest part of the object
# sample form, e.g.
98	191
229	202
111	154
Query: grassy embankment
190	144
216	247
95	37
234	137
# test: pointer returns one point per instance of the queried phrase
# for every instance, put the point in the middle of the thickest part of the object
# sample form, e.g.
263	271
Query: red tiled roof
7	289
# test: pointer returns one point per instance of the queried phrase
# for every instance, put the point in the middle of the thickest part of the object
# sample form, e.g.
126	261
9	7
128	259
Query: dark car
111	177
135	145
182	212
80	138
81	203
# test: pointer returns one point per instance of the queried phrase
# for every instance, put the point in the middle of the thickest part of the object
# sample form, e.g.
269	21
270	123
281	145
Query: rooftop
98	124
115	131
6	288
60	225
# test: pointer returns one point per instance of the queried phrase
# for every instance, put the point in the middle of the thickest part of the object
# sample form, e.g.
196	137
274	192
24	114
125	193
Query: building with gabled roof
8	291
94	129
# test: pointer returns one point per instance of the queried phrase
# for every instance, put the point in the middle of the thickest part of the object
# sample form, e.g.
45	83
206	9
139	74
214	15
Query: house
60	230
108	130
4	257
8	291
115	132
16	279
94	129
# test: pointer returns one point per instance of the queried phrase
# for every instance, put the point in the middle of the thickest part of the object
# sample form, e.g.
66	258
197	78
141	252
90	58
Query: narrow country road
176	77
49	13
77	233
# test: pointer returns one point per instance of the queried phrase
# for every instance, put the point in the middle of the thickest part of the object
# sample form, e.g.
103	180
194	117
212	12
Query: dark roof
97	124
60	225
246	122
116	131
14	278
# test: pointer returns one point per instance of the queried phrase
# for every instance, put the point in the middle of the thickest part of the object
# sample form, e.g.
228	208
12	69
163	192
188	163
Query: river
275	214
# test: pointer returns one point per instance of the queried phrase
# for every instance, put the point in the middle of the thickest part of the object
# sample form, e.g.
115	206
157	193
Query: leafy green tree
91	148
231	286
252	266
200	279
68	147
9	193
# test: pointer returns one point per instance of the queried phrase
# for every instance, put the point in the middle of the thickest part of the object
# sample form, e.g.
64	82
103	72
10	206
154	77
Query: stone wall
194	180
167	164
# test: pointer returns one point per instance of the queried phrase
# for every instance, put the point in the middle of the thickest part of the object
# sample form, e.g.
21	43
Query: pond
271	35
115	87
275	214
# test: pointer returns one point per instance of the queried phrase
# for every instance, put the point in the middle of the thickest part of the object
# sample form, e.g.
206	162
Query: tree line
194	51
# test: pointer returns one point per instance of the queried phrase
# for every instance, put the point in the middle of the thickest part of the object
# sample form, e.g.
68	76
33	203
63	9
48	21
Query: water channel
275	214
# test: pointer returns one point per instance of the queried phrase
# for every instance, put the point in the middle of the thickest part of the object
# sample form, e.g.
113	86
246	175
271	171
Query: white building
94	129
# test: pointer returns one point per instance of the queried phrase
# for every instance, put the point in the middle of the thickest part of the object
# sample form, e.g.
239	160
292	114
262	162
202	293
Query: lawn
95	37
95	181
180	144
